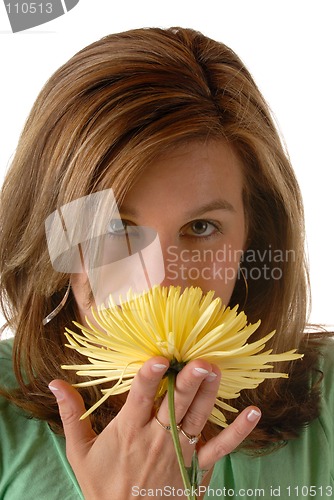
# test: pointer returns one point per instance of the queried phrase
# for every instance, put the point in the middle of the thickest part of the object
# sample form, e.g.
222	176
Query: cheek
220	276
225	267
214	268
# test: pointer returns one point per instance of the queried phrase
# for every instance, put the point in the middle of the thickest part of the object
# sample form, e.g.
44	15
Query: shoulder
29	448
325	420
326	366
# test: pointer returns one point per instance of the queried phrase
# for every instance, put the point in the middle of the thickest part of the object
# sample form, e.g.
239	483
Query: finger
229	438
201	406
187	384
140	400
78	433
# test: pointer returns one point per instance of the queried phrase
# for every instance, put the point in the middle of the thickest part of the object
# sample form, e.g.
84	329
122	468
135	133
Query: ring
166	427
191	439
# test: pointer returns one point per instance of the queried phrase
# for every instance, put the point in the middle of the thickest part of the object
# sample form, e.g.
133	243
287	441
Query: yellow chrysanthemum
181	327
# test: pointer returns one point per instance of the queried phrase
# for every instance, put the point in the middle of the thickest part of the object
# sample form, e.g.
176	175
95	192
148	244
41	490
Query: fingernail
56	392
211	377
158	367
253	415
200	371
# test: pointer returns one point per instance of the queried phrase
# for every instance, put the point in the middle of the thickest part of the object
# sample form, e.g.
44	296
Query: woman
172	122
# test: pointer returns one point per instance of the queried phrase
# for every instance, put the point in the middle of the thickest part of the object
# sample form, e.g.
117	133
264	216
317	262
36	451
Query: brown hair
104	115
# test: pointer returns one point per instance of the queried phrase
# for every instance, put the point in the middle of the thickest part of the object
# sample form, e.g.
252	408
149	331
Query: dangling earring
54	313
246	286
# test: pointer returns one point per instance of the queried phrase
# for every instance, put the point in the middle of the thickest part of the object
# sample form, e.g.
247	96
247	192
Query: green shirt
303	468
33	464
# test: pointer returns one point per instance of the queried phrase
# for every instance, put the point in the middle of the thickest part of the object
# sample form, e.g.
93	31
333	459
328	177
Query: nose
162	260
158	262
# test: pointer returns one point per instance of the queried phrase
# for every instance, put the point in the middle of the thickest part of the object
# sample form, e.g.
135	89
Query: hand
134	452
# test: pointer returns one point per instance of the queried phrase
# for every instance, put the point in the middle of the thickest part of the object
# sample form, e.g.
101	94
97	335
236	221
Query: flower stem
175	436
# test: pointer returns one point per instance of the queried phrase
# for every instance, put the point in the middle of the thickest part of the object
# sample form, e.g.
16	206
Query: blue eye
117	227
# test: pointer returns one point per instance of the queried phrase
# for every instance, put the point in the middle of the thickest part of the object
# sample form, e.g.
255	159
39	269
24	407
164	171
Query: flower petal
180	326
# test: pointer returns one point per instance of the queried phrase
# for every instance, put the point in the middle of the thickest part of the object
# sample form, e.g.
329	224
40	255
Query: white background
288	47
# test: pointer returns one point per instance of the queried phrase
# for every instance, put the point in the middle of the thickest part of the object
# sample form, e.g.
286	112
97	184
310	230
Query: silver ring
191	439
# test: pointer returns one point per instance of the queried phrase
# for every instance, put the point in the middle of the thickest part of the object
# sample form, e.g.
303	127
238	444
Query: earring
246	286
54	313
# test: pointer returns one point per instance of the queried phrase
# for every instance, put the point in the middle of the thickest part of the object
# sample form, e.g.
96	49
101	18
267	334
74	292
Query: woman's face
192	198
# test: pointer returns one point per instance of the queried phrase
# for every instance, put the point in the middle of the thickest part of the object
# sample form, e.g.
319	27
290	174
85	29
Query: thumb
78	433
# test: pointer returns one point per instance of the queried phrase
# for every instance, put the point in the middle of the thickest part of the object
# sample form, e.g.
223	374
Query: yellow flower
180	326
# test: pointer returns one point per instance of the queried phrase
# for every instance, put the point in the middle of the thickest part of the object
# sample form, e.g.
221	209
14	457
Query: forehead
195	171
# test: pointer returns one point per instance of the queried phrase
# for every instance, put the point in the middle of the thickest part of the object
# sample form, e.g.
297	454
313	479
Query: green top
33	464
303	468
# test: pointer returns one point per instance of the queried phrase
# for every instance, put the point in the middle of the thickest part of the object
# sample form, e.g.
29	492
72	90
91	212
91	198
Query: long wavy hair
102	117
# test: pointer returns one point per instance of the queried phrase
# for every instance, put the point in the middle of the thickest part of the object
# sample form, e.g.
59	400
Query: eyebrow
218	204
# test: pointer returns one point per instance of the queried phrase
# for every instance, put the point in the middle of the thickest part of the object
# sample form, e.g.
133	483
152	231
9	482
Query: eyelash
214	224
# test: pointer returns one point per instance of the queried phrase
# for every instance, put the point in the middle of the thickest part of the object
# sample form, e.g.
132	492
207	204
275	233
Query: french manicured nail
211	377
253	415
56	392
158	367
200	371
